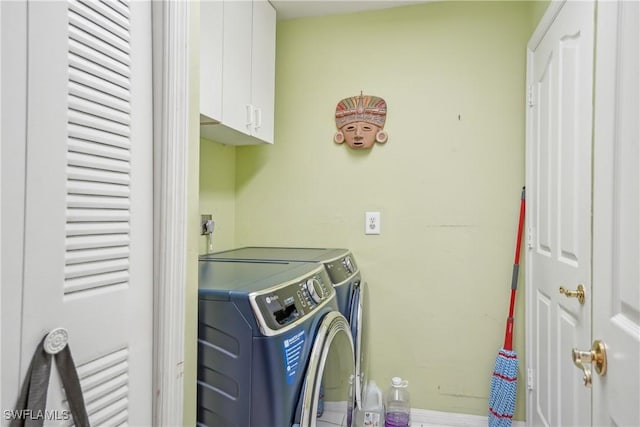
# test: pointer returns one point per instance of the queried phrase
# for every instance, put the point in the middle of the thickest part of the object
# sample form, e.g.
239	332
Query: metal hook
56	341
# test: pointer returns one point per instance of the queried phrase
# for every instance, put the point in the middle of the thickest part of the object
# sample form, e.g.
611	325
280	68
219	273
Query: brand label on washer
292	350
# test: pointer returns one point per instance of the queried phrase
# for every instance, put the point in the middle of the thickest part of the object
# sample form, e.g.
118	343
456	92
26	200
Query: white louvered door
88	220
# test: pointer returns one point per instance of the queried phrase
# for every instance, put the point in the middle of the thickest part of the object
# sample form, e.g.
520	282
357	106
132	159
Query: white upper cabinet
237	29
237	74
263	69
210	61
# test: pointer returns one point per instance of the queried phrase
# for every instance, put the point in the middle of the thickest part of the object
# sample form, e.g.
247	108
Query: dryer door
359	322
327	396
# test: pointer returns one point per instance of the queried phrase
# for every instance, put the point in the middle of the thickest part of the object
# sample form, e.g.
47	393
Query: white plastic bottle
397	411
372	412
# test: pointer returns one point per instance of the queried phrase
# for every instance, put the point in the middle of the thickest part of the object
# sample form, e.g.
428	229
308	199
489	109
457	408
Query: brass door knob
596	357
578	293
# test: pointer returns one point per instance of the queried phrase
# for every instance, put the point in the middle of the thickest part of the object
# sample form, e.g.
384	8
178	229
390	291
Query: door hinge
530	237
530	379
530	101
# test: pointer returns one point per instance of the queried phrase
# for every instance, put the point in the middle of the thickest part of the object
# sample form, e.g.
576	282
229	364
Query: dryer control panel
342	268
279	308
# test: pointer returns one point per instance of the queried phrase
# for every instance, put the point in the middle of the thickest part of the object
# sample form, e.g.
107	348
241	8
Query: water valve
207	225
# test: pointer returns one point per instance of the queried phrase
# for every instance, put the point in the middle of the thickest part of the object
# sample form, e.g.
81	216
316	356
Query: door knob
596	357
578	293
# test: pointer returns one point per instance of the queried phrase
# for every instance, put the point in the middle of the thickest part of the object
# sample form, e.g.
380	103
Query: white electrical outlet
372	223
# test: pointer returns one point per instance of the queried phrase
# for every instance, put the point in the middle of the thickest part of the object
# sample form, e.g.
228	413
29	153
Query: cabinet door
263	67
211	28
236	62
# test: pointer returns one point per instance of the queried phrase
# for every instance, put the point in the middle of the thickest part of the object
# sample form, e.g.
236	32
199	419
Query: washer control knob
315	289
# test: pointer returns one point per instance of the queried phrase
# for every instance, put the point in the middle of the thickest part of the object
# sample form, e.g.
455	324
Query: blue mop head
504	383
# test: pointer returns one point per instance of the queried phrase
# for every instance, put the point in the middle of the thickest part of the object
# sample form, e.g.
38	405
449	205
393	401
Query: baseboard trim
427	418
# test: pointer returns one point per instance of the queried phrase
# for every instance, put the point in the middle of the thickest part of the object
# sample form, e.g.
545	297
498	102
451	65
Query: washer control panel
281	306
315	290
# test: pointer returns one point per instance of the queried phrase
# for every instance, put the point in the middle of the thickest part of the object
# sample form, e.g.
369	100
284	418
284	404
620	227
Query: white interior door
88	200
559	75
616	239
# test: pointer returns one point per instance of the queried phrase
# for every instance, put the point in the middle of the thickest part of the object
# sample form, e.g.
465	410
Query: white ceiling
288	9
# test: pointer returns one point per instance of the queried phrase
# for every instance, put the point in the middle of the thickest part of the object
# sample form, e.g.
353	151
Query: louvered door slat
91	11
81	118
112	15
91	161
98	54
104	383
111	405
76	19
92	94
78	242
91	368
88	283
99	176
97	188
97	149
97	229
115	413
98	202
93	268
97	136
97	215
109	391
98	70
99	110
102	253
121	7
82	77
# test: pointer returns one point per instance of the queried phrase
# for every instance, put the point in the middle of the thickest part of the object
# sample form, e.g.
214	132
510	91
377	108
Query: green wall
538	8
447	183
217	193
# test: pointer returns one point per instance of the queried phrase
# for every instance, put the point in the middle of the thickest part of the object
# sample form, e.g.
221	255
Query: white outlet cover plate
372	223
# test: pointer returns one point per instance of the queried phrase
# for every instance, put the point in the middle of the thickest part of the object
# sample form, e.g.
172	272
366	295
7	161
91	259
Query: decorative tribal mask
360	120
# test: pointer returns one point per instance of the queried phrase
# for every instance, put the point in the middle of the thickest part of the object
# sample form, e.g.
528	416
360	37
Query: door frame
171	134
0	196
171	110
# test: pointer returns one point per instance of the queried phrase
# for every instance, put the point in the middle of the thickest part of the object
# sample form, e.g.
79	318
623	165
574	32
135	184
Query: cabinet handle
257	124
249	115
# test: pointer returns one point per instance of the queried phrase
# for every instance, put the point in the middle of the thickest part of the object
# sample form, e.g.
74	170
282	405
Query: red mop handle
520	226
508	337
